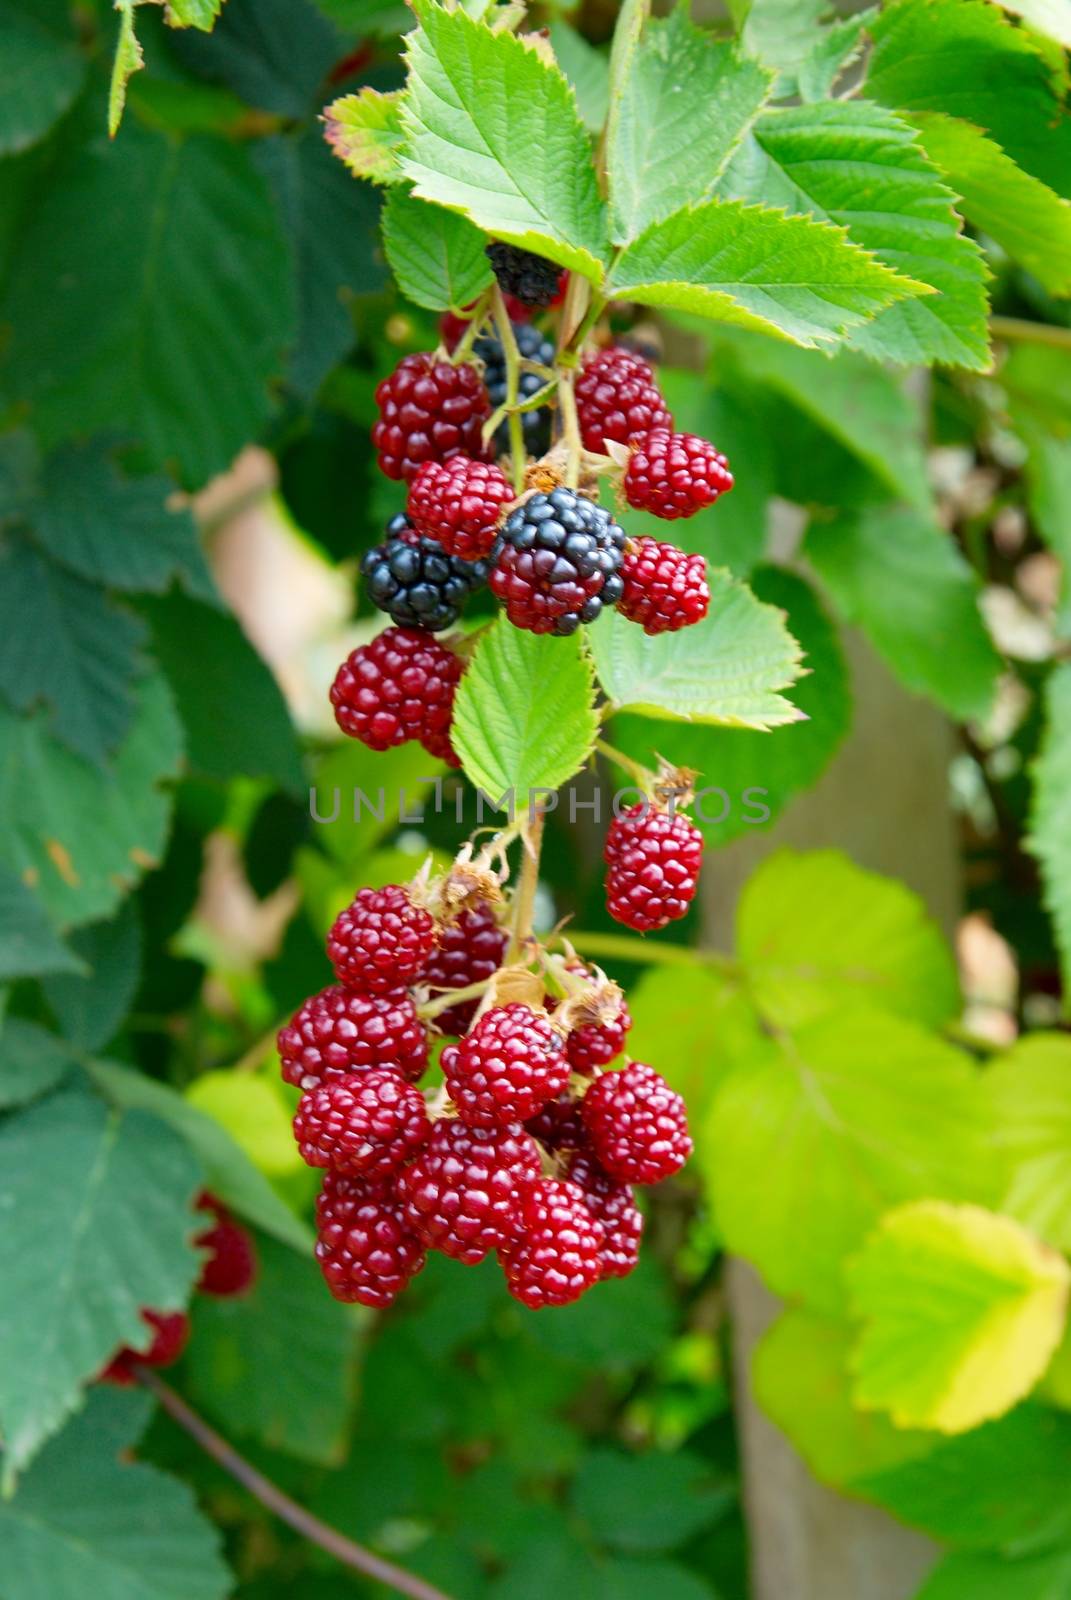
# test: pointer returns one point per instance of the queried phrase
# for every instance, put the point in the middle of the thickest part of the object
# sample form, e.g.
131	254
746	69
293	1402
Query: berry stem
621	947
1022	330
644	777
524	897
570	426
452	997
513	378
471	333
349	1553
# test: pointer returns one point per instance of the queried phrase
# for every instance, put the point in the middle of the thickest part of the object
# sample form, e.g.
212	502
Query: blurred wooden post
884	802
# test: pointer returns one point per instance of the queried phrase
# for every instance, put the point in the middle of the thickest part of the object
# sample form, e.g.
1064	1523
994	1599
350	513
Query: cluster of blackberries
229	1268
531	1148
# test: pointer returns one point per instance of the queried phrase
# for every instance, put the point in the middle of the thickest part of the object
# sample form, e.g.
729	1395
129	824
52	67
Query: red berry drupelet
365	1123
366	1251
675	474
230	1268
171	1329
400	686
507	1068
470	949
462	1193
638	1125
340	1031
382	941
664	588
618	399
615	1207
559	564
654	857
458	503
428	411
557	1254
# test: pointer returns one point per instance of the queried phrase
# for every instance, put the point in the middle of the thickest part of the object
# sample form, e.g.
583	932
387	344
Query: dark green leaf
1050	815
437	256
275	54
32	1061
41	71
29	945
89	1007
651	1502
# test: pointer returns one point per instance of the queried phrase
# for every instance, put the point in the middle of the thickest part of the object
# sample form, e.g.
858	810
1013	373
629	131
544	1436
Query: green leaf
87	1519
1050	17
228	1171
1022	214
1031	1090
835	49
29	945
1037	382
799	280
112	1194
254	1112
277	55
493	131
857	165
646	1503
91	1004
65	645
32	1062
369	789
1050	813
898	574
200	14
587	69
129	58
686	102
726	669
694	1022
365	132
101	336
782	34
961	1311
819	1133
756	773
967	1577
234	713
437	256
276	1364
815	931
41	71
524	718
79	836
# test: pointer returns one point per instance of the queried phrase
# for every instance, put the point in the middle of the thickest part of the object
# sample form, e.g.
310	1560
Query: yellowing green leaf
961	1310
365	132
1031	1090
253	1112
129	59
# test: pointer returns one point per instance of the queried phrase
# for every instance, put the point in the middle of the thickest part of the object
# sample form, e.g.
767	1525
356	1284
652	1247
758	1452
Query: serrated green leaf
112	1193
1020	212
41	71
1050	811
758	773
858	165
87	1519
29	945
828	1126
800	280
837	47
493	131
967	1577
961	1310
437	256
228	1171
587	69
816	932
101	336
66	646
90	1005
1031	1090
365	132
782	34
695	1022
82	837
727	669
686	102
200	14
32	1061
276	1364
898	574
129	58
524	717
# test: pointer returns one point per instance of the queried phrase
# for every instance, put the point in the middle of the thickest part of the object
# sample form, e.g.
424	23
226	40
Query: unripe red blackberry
171	1330
366	1252
458	503
382	941
559	1125
614	1205
557	1253
462	1193
674	474
230	1267
339	1031
400	686
470	949
559	563
531	278
508	1066
617	399
594	1044
365	1123
428	411
664	588
654	858
638	1124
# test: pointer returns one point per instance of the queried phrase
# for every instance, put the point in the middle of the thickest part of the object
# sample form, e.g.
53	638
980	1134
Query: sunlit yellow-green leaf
1031	1090
255	1115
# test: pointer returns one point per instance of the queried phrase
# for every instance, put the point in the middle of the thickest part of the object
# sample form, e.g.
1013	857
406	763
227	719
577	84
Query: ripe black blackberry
413	579
560	562
533	346
531	278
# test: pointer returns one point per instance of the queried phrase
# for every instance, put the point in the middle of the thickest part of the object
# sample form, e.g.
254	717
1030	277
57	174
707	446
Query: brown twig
287	1510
